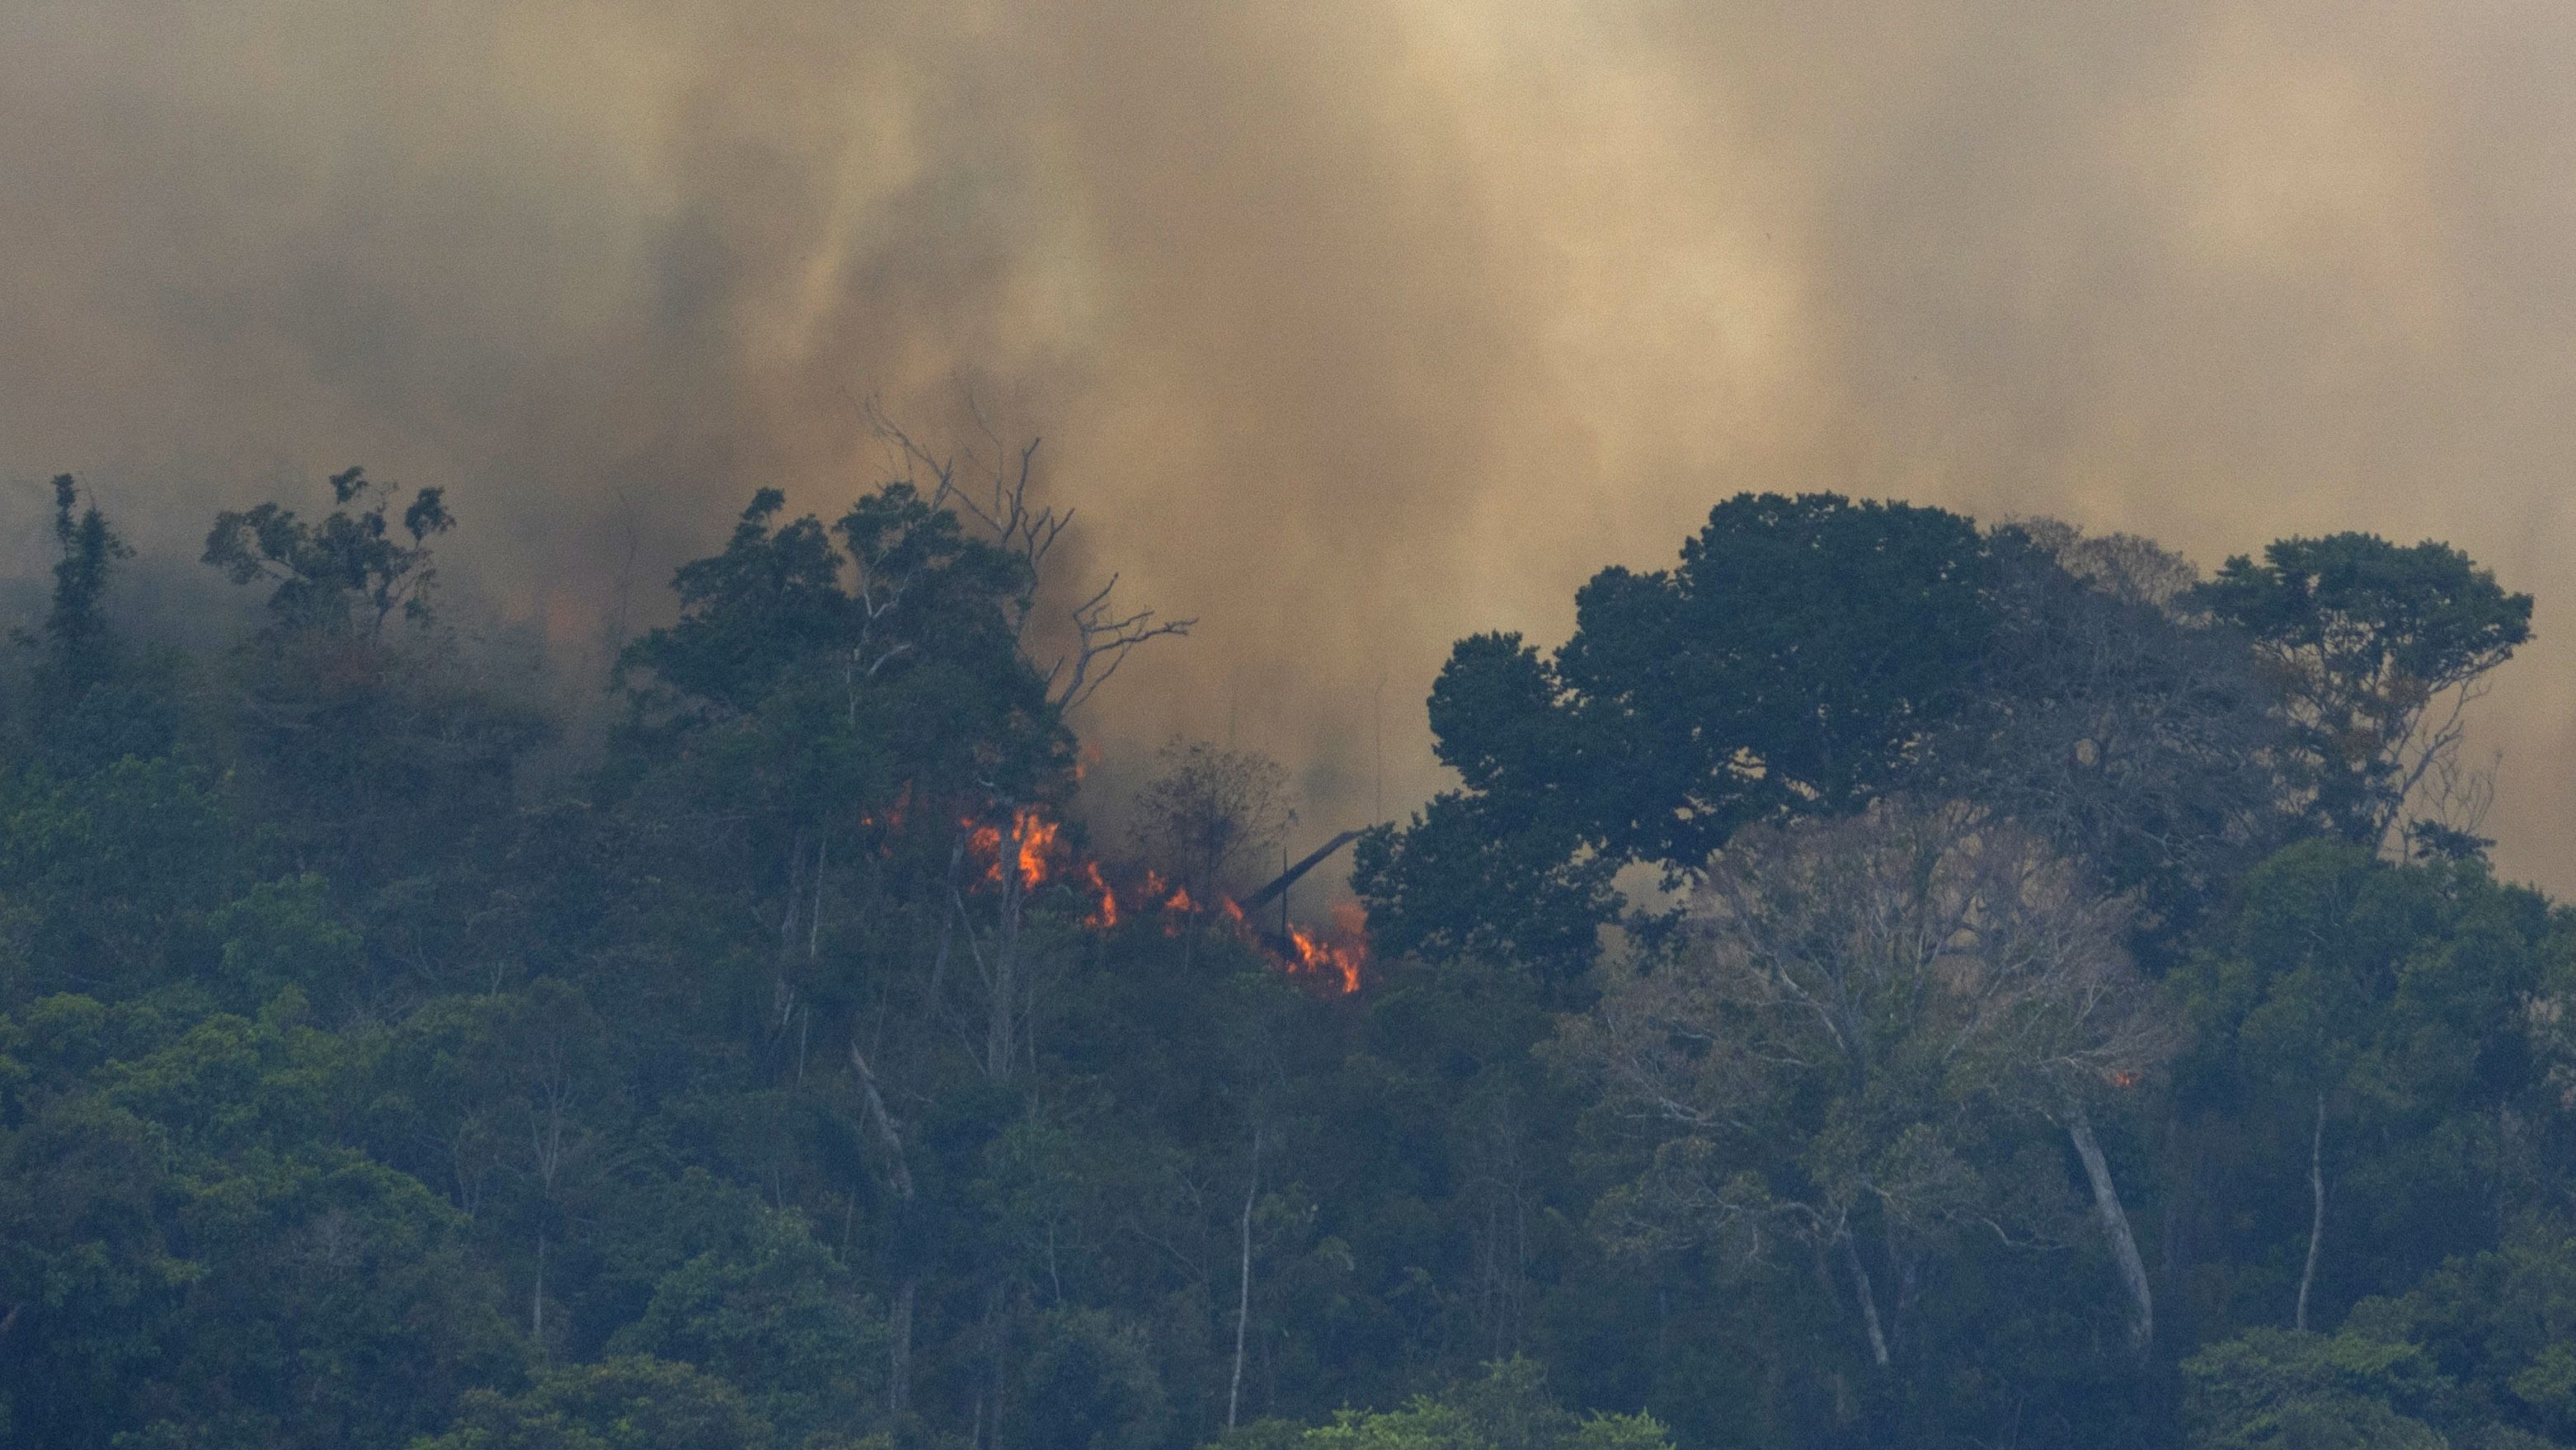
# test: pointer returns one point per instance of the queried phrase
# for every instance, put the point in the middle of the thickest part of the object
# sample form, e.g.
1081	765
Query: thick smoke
1353	327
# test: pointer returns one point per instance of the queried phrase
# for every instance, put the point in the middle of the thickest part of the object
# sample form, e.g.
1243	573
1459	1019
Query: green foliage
910	668
2275	1390
349	572
190	1247
1457	882
632	1403
370	750
107	877
778	1318
2363	639
1508	1409
736	1084
1789	663
283	934
1092	1385
80	649
2499	1324
2375	1015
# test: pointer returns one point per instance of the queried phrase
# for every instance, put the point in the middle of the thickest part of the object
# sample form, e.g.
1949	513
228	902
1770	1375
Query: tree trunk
997	1335
782	972
814	918
2115	1227
899	1174
2316	1213
1243	1288
1868	1304
1900	1272
999	1046
537	1300
899	1347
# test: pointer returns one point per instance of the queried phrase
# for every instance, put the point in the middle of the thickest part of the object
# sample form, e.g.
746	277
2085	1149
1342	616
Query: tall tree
1864	1006
371	744
80	648
1796	660
349	572
2377	651
2134	731
843	704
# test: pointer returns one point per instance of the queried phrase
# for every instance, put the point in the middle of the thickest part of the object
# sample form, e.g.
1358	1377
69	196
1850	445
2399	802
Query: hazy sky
1352	328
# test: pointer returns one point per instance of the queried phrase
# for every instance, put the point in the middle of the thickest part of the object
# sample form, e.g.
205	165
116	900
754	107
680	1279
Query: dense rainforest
1883	980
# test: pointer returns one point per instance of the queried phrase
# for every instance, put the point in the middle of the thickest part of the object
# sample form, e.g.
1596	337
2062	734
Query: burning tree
883	748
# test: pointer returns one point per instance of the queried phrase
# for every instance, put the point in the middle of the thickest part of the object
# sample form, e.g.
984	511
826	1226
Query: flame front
1332	958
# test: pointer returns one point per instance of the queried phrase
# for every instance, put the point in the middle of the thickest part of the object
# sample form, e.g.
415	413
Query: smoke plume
1353	327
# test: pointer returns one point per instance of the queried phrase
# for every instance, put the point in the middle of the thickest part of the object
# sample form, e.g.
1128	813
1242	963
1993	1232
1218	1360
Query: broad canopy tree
1858	1007
1794	661
1810	655
2138	736
348	572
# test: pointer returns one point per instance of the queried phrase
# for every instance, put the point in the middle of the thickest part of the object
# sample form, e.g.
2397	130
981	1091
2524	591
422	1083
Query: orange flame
1106	918
1037	837
1332	958
1336	957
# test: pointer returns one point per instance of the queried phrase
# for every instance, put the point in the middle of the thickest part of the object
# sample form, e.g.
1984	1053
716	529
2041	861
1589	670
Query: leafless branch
1004	510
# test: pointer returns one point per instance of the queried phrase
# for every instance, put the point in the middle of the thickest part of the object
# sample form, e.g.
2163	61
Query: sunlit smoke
1353	328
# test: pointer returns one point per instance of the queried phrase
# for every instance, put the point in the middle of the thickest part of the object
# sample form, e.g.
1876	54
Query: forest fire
1036	836
1105	916
1336	957
1332	958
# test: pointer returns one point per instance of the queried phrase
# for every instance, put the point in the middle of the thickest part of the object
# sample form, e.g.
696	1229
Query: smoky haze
1352	328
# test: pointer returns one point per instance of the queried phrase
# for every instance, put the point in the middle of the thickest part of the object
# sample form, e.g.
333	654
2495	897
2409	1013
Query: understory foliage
1885	980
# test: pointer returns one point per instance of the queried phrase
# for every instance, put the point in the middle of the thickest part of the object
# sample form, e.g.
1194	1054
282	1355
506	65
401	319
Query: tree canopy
2065	1003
